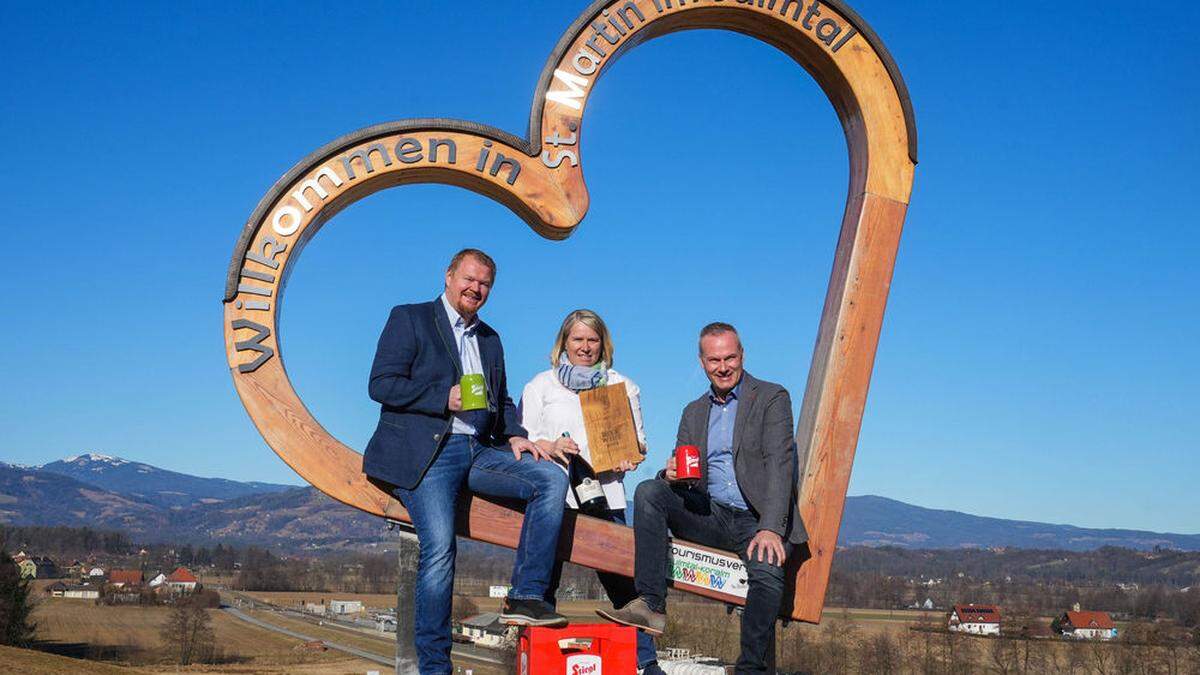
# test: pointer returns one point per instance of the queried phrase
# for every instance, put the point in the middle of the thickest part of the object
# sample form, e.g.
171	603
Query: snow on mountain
159	486
96	457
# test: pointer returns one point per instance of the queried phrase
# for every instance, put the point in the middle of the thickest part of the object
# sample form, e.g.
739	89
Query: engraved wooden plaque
611	432
540	177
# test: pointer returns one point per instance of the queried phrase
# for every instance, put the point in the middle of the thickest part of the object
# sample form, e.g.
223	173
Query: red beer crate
578	649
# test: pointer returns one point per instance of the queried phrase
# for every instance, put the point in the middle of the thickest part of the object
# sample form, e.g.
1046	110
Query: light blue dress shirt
722	483
468	352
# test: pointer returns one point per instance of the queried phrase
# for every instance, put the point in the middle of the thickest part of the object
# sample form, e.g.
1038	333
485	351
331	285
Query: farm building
81	592
1085	625
975	619
345	606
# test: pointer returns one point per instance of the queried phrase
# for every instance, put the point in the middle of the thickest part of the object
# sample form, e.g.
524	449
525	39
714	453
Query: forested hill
146	501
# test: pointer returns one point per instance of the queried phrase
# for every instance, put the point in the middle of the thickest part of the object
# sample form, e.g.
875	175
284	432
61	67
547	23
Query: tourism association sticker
708	570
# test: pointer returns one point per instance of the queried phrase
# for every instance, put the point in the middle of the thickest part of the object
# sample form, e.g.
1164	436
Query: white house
158	580
975	619
82	592
96	572
1086	625
317	608
345	606
181	581
485	630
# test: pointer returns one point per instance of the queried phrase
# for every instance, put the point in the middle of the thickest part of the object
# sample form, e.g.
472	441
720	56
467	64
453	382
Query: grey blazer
764	453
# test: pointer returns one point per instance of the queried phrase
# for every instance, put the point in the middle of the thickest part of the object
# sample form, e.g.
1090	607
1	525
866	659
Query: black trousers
659	507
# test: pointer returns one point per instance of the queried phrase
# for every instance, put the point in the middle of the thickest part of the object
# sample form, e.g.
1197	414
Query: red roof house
979	619
182	575
1087	625
125	577
180	581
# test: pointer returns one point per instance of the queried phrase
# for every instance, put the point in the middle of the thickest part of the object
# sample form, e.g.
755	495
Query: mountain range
150	483
153	504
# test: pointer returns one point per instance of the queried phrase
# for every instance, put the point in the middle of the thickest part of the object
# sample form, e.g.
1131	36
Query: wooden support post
406	562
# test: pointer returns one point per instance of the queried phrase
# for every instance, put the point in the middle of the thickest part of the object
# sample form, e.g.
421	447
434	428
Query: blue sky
1037	360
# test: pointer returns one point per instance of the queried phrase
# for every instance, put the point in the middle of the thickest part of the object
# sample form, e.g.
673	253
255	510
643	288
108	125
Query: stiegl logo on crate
584	664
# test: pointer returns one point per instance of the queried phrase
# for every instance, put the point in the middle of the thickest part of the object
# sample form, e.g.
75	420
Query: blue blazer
416	364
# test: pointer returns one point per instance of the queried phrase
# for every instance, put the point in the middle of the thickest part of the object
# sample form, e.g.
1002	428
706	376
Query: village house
484	630
56	589
96	573
28	568
181	581
975	619
123	578
1086	625
81	591
158	580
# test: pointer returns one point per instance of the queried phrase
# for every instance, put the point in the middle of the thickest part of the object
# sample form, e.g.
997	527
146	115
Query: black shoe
530	613
652	668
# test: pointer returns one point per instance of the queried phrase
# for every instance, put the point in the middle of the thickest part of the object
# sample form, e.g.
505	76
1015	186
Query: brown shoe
637	614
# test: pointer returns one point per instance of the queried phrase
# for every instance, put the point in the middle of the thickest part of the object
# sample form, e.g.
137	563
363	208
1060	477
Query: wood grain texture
608	420
541	179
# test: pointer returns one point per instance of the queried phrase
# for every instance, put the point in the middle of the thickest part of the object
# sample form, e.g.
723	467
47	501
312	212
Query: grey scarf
581	378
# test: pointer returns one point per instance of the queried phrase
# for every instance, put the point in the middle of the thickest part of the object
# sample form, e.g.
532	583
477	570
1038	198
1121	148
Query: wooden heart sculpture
541	179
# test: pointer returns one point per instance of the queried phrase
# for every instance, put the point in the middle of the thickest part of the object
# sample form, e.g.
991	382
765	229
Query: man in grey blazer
745	499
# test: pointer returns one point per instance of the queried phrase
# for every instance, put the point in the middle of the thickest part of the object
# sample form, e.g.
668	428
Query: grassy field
129	635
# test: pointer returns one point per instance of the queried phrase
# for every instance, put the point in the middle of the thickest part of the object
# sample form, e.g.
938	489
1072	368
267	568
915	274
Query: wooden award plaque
611	432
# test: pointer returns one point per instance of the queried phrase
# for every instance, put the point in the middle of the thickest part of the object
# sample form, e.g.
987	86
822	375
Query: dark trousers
659	507
620	592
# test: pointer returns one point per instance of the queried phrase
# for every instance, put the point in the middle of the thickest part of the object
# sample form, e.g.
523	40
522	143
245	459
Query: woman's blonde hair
590	319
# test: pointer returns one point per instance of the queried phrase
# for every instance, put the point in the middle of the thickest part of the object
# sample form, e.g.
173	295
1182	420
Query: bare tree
188	633
1003	654
1099	657
840	643
879	654
463	608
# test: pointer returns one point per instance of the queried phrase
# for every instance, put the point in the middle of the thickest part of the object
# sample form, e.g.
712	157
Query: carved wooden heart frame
541	179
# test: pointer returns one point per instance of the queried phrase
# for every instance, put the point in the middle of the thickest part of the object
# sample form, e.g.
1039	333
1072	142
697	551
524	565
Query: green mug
474	391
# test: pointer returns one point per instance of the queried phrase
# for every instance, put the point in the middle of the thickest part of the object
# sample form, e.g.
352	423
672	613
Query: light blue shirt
468	353
722	483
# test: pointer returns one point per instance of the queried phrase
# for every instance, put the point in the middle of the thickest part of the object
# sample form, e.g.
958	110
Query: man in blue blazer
427	449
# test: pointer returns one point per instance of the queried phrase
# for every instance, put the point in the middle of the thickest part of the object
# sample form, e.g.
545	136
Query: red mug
687	462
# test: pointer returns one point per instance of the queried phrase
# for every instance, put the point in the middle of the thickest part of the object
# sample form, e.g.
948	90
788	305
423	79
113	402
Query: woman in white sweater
582	359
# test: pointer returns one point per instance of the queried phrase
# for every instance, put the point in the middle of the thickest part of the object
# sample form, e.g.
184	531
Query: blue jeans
620	591
432	505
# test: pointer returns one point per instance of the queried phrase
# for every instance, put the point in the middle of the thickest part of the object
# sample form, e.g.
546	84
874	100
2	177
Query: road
390	663
469	652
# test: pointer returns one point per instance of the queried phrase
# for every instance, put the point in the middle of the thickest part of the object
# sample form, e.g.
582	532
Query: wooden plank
541	179
611	432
